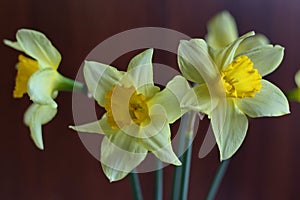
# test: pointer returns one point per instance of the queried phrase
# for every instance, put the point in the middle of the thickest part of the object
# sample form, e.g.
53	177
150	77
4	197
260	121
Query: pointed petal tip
39	145
6	42
151	50
11	44
222	157
248	34
54	105
279	46
177	163
72	127
111	179
86	62
41	148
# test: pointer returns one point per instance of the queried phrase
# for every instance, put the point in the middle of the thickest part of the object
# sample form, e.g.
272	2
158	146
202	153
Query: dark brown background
267	165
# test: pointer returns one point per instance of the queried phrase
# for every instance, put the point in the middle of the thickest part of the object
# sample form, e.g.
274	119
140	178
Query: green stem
181	176
135	186
178	170
159	181
217	180
186	165
67	84
186	173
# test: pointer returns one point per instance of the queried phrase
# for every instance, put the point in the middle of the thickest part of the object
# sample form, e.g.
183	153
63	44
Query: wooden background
267	165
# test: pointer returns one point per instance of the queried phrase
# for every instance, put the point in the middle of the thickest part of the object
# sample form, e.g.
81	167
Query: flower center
240	79
138	109
117	111
26	67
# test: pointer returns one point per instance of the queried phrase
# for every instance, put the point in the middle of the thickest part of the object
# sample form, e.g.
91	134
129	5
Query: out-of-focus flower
230	85
37	75
222	30
137	114
294	94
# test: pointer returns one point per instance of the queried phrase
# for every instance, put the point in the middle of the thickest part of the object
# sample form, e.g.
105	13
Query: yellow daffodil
137	114
37	75
230	85
222	30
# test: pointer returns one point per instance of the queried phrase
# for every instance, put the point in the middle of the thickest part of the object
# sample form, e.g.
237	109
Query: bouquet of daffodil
227	74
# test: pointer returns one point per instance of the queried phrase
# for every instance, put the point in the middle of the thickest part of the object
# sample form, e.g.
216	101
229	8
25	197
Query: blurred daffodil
38	77
137	114
222	30
230	85
294	94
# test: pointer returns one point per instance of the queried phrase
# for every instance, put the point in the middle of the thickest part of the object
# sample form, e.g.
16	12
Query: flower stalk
182	173
70	85
135	186
217	180
159	181
178	170
187	155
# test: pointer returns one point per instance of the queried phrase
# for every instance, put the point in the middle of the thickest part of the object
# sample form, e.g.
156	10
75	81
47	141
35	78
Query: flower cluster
226	71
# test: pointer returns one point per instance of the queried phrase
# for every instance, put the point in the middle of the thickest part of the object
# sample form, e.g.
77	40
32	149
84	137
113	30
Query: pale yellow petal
221	30
39	47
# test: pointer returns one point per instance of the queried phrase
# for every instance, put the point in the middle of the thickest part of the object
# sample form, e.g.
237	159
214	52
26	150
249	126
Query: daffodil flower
38	77
230	85
294	94
222	30
137	114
